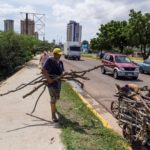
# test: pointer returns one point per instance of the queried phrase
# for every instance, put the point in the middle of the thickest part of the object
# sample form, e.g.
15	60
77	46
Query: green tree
45	45
94	45
139	31
113	34
100	43
15	50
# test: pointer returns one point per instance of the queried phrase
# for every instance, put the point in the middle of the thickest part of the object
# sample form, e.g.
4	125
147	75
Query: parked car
119	65
145	66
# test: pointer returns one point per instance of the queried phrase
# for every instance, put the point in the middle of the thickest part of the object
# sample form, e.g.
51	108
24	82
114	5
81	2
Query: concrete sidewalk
19	131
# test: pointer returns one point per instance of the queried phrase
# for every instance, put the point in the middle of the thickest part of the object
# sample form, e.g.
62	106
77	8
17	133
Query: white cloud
7	9
31	2
89	13
83	10
92	13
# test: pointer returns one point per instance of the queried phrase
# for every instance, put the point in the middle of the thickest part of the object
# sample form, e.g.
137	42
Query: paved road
102	87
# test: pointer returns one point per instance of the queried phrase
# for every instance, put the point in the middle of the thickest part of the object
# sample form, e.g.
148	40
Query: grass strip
94	56
81	130
136	59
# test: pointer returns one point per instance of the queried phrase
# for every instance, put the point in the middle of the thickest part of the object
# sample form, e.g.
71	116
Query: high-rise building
8	25
74	31
28	27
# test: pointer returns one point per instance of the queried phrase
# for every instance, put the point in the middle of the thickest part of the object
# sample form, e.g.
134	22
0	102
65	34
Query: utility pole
27	23
34	19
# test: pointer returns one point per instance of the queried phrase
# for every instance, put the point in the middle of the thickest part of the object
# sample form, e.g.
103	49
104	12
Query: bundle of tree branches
40	81
143	100
133	116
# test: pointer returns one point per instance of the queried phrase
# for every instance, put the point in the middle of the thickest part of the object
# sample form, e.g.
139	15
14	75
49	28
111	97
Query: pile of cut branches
132	109
40	82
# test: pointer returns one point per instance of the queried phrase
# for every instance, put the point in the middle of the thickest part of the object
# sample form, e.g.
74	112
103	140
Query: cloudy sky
89	13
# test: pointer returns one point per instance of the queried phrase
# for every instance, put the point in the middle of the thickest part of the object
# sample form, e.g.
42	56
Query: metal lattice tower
39	22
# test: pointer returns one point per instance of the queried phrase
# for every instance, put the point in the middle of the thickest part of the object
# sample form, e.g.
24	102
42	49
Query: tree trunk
121	48
145	54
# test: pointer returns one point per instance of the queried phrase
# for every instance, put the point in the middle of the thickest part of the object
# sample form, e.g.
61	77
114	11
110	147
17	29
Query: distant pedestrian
53	67
43	58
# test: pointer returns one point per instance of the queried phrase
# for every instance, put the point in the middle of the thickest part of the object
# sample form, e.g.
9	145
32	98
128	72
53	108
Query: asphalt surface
20	131
100	90
102	87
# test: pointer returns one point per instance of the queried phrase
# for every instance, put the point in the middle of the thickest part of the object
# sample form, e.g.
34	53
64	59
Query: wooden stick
37	117
20	87
38	99
36	88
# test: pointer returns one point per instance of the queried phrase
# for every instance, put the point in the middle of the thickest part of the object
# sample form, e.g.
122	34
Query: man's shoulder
50	58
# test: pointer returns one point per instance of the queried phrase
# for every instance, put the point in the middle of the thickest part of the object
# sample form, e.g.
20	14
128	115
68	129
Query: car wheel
115	74
135	78
103	71
141	70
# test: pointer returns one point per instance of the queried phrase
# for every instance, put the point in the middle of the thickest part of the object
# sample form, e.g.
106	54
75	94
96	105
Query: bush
15	50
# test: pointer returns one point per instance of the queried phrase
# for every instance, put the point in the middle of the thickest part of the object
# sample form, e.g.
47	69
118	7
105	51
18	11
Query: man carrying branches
52	68
52	74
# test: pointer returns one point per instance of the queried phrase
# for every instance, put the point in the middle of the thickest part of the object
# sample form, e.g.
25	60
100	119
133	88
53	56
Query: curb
92	109
100	118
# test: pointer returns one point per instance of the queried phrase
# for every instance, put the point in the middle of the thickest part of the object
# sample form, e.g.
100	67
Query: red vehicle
119	65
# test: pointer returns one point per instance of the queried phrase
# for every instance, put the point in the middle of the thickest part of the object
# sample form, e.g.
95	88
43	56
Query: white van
72	50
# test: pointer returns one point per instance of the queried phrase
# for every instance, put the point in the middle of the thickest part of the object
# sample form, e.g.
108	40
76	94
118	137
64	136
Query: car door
106	62
146	66
111	64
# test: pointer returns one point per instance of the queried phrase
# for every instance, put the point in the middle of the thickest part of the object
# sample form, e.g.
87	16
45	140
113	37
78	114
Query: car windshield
122	59
147	61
